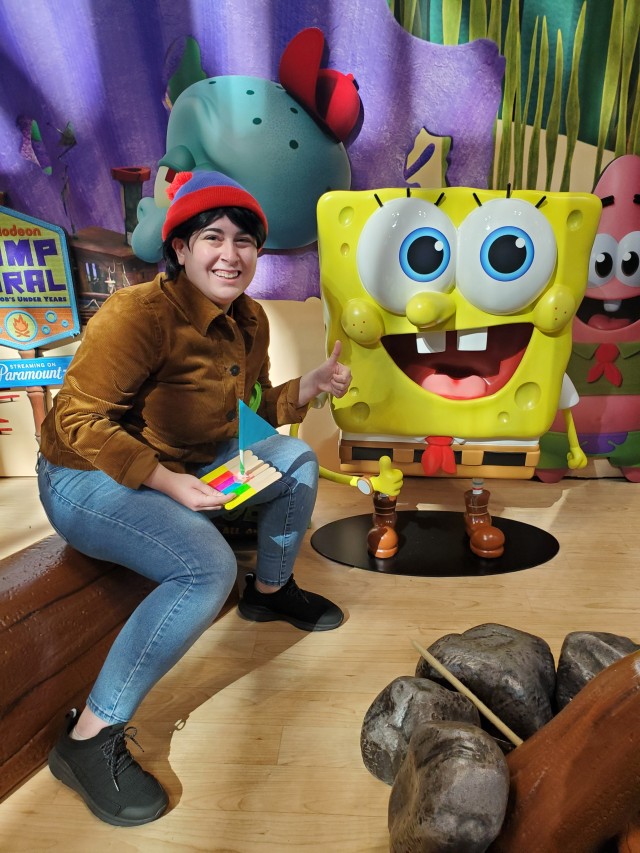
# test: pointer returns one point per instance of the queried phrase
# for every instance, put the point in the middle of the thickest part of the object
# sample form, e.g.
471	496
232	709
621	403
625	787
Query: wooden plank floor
255	733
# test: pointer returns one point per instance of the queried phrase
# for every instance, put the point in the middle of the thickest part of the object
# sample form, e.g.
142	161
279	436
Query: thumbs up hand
389	480
330	377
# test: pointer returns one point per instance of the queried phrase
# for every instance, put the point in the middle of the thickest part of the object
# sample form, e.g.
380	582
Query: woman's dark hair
242	218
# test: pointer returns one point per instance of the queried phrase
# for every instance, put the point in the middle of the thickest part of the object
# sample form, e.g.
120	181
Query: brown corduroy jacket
157	378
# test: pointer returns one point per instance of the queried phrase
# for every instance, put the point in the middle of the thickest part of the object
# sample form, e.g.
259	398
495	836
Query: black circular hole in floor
434	543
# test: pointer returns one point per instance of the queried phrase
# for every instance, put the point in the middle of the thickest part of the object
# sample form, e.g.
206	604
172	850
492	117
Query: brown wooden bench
59	614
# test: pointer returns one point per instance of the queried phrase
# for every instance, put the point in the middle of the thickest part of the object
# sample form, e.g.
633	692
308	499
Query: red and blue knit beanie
194	192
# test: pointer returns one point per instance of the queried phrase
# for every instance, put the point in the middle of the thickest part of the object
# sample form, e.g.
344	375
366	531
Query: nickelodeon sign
37	299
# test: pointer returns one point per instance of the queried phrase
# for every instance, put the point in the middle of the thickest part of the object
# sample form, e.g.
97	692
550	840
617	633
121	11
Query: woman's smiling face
220	260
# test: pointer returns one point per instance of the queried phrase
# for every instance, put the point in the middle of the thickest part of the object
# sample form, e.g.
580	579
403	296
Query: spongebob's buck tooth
431	342
472	340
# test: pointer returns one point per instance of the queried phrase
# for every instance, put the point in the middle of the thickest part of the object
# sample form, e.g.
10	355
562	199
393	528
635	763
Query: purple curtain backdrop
103	65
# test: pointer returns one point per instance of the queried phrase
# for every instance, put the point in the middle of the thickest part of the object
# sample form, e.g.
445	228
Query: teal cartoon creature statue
282	141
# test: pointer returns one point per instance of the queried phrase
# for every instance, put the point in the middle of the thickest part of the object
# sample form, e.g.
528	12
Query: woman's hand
331	377
186	489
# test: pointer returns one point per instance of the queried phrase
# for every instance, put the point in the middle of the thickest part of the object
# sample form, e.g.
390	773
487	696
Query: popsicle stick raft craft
228	479
245	475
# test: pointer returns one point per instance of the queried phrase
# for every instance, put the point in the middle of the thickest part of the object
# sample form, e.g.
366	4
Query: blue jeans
182	550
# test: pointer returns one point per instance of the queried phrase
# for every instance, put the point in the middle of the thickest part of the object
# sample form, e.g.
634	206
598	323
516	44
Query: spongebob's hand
389	480
576	458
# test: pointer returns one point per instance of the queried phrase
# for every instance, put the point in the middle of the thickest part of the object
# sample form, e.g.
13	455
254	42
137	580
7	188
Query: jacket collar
201	312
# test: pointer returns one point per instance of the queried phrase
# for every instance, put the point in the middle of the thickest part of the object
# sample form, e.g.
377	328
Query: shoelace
118	756
295	592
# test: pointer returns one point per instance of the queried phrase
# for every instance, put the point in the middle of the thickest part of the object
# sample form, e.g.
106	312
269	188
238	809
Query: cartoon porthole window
407	246
602	260
628	266
506	254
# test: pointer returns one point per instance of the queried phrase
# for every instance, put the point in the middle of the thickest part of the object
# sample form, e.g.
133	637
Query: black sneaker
112	784
305	610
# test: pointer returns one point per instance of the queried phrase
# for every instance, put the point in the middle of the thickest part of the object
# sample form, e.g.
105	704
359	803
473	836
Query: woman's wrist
158	479
308	388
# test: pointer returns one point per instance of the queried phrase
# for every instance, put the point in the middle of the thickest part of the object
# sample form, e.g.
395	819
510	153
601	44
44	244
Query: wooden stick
252	473
264	479
487	712
250	459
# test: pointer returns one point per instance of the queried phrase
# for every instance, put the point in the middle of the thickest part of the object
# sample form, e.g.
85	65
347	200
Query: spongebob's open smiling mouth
461	365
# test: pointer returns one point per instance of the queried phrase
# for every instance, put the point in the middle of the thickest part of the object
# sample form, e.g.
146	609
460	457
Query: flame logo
21	328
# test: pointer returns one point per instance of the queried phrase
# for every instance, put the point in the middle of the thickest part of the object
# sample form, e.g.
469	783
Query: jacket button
235	370
231	415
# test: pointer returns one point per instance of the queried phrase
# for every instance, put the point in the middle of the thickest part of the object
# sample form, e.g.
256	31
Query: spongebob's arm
388	481
575	457
568	399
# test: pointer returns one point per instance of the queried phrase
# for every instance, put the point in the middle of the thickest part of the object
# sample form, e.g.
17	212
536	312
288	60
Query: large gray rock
583	655
450	793
511	671
404	705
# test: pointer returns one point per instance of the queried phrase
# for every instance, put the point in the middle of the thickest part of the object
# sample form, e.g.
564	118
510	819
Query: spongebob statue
454	307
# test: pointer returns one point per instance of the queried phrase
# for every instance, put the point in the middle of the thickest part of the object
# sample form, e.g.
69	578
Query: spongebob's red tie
438	455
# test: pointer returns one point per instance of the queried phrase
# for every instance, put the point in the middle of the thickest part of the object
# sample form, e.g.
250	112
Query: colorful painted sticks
228	479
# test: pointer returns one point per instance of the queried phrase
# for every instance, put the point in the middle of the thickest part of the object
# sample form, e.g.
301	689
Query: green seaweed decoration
451	17
553	117
520	140
634	133
572	110
494	31
511	86
518	127
629	41
610	85
534	145
477	20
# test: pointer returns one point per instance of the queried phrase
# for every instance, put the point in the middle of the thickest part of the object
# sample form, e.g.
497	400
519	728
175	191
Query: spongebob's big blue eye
506	255
405	248
425	254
